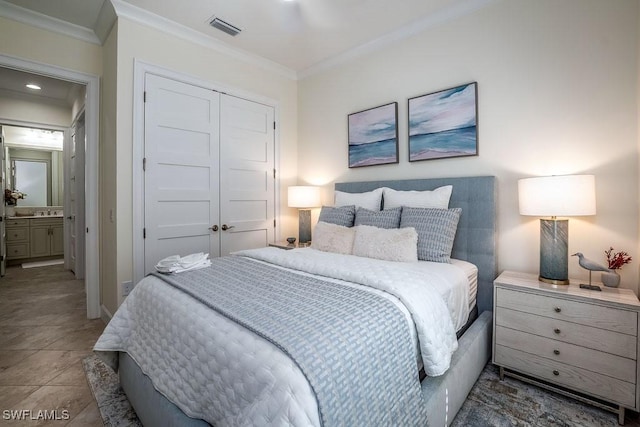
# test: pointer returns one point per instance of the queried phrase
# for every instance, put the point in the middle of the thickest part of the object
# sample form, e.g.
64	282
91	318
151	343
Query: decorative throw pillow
436	231
438	198
388	218
369	200
333	238
343	215
399	244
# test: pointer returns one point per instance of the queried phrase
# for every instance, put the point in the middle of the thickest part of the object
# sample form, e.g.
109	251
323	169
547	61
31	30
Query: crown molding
146	18
416	27
39	20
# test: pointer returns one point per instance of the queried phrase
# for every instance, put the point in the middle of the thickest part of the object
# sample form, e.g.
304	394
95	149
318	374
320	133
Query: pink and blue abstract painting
373	136
444	124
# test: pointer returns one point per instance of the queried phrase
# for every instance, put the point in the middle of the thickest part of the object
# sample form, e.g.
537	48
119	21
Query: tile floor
44	335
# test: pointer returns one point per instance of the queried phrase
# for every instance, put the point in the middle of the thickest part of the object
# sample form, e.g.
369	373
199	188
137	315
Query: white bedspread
220	372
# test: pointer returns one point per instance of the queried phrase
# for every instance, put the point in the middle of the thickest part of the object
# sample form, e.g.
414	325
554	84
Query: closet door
247	174
181	170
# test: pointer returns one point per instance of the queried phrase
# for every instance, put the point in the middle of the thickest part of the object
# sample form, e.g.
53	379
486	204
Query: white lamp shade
304	196
562	195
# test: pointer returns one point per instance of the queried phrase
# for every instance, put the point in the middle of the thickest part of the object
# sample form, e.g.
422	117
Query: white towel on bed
178	264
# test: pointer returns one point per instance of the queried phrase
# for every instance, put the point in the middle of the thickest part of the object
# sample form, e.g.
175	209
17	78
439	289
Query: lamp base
304	226
553	281
554	251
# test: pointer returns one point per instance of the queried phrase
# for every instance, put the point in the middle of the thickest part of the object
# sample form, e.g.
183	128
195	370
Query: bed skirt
443	395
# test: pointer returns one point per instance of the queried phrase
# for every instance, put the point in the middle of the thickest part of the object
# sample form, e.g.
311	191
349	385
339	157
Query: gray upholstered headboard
476	236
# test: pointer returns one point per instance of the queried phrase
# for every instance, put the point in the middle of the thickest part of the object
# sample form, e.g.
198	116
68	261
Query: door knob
70	217
226	227
214	227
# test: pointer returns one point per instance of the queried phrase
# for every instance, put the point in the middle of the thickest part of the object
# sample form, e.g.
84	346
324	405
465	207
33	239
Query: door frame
91	165
140	69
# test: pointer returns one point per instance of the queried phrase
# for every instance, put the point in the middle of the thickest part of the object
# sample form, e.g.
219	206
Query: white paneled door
247	174
75	183
209	172
181	170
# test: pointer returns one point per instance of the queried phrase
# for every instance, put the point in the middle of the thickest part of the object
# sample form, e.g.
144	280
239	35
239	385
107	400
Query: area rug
512	402
491	403
115	409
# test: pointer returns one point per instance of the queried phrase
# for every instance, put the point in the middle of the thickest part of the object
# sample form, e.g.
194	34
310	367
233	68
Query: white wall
108	173
135	41
27	42
34	112
558	94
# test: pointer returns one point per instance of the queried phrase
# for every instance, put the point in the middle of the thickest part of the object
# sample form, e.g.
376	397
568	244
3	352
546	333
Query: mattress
471	271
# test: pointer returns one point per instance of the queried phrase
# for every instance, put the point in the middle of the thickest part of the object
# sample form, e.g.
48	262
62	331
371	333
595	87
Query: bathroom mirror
38	173
31	177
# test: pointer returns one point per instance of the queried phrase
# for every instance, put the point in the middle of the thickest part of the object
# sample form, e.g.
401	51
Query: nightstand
577	342
286	245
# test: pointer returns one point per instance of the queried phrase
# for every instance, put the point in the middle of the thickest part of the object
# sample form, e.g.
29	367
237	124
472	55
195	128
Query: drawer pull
556	352
557	309
556	330
556	372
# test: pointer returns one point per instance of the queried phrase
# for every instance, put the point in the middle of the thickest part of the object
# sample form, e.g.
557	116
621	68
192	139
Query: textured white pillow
333	238
368	200
398	244
438	198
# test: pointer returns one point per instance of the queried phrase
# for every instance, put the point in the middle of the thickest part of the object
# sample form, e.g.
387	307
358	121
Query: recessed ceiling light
33	86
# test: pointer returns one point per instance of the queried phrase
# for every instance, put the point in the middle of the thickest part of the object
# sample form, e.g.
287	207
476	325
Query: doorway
90	166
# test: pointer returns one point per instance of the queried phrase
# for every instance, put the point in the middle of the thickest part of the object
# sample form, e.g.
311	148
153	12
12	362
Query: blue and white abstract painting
373	136
444	124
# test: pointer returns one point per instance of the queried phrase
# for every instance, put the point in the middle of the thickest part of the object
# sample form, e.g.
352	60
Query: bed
442	391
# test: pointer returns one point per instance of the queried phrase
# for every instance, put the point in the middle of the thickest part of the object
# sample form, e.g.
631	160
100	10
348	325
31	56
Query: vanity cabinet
46	237
17	238
34	237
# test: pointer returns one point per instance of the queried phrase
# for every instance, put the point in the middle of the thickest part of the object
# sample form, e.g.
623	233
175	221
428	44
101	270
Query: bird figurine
590	265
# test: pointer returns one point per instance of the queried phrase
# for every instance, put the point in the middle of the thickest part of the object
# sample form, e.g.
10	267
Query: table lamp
304	197
554	196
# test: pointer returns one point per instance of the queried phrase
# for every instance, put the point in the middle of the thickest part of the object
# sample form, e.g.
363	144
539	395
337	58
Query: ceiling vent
221	25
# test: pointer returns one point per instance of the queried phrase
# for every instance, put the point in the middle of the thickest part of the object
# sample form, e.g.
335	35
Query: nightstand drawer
17	234
595	361
572	333
593	315
575	378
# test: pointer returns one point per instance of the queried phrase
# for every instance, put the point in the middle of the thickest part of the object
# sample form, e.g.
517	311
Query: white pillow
398	244
438	198
329	237
369	200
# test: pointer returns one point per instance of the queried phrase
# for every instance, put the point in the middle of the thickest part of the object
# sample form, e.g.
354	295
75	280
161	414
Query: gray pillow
436	231
342	215
388	218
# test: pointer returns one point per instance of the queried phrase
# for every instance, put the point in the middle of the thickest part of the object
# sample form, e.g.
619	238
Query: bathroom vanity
34	237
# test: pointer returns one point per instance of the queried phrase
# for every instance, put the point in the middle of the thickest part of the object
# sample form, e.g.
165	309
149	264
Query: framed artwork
373	136
444	124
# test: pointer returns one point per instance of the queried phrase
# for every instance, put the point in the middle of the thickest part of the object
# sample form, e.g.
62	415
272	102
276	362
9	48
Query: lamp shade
303	196
561	195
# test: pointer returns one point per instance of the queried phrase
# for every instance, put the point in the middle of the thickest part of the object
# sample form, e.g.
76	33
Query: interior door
74	226
247	174
181	170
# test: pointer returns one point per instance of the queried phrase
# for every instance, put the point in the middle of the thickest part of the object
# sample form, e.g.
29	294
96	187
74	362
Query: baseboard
105	314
